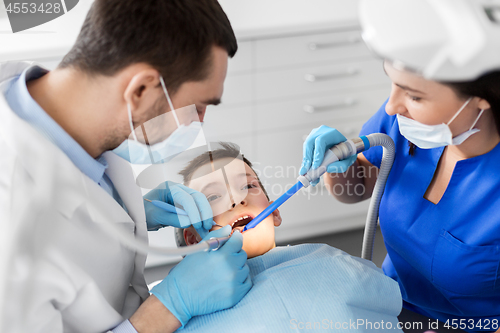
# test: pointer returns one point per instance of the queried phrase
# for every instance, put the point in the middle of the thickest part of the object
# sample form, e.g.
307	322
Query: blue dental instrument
167	207
336	153
172	209
214	243
272	207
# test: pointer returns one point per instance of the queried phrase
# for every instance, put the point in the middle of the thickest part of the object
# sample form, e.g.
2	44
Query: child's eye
213	197
248	186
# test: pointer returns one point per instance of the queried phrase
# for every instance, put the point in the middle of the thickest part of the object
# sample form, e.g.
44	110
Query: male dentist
61	185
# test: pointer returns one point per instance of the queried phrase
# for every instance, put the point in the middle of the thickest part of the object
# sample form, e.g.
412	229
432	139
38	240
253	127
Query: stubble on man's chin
115	136
112	140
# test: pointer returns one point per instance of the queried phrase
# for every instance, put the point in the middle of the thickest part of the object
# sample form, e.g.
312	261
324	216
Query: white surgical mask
433	136
180	140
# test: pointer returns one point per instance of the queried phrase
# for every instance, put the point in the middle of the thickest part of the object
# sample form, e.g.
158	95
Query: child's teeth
239	219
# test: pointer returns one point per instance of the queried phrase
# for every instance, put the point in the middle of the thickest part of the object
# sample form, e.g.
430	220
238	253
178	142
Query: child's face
237	201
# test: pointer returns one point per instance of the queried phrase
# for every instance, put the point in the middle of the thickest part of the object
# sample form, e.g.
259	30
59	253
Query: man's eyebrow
213	101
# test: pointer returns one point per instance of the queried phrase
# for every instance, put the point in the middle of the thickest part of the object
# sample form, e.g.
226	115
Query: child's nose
243	202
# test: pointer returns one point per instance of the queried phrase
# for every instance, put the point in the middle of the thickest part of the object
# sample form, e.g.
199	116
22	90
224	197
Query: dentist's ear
276	216
141	83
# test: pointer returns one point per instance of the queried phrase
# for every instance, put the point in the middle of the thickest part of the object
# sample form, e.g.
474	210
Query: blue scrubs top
445	256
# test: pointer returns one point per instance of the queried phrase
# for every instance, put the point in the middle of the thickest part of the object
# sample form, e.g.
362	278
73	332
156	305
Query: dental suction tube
389	152
349	148
339	152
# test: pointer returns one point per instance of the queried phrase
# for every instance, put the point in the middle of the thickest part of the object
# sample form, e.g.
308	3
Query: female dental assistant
439	214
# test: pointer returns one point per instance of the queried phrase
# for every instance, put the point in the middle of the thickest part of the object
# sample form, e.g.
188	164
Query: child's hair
228	150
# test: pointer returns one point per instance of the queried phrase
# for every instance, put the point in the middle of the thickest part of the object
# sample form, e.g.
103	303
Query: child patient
308	286
236	197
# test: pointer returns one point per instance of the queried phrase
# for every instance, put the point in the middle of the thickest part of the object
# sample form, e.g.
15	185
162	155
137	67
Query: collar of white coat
10	69
62	180
122	176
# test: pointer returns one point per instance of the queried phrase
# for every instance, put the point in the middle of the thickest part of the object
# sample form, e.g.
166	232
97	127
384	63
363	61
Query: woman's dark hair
486	87
173	36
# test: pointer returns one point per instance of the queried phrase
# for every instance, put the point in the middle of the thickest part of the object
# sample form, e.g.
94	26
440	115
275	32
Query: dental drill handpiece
338	152
215	243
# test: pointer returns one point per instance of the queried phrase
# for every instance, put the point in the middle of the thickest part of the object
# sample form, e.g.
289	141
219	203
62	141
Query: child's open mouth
241	222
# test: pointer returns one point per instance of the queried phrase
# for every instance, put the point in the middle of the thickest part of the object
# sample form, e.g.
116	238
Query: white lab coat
60	271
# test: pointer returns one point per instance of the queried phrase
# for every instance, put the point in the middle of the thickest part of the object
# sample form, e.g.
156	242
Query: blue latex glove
206	282
318	141
194	203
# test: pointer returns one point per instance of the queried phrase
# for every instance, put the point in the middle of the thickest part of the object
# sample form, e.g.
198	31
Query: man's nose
395	104
201	114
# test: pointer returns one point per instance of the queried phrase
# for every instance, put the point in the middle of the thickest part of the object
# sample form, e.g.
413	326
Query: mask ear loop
475	121
129	111
169	101
456	114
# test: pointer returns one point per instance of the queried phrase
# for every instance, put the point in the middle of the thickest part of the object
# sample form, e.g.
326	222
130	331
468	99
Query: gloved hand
194	203
206	282
318	141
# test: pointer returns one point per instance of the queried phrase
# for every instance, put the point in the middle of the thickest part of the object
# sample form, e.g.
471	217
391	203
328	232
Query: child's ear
276	216
191	237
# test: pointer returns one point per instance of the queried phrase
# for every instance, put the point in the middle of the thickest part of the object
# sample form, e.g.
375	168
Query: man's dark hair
228	150
173	36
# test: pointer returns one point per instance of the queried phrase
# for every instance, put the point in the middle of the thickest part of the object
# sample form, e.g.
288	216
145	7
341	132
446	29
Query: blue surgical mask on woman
181	139
434	136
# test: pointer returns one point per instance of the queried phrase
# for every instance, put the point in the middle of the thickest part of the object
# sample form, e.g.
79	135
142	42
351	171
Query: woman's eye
213	197
414	98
